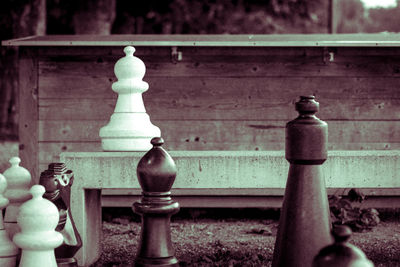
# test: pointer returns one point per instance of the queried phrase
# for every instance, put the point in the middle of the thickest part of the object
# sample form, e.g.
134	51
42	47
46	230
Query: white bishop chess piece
8	251
18	184
38	219
129	128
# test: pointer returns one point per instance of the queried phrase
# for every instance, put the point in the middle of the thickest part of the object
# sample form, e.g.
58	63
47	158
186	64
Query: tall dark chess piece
304	226
156	172
341	253
57	180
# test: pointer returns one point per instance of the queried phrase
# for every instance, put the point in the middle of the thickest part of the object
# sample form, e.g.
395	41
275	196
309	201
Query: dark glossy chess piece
57	180
341	253
304	226
156	172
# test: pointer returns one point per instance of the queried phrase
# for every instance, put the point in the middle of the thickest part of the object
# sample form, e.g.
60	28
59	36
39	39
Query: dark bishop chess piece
156	172
341	253
57	180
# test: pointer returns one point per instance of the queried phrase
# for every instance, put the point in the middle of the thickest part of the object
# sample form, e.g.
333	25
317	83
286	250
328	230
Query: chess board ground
235	238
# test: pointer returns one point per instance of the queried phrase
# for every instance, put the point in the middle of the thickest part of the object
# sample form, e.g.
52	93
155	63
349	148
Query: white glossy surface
129	128
8	250
38	219
18	185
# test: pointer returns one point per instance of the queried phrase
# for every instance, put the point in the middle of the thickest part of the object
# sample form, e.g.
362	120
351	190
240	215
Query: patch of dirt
236	242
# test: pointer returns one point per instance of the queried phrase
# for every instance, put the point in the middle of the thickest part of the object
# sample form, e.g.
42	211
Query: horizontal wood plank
222	108
228	135
113	53
200	88
236	66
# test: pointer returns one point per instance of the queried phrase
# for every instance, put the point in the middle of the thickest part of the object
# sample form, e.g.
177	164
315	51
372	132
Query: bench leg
86	212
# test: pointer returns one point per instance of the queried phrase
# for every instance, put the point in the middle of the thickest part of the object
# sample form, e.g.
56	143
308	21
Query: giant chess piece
156	172
129	128
304	226
17	192
38	219
8	251
341	253
57	180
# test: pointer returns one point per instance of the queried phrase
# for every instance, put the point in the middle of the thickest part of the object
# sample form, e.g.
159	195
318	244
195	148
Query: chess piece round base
155	247
67	262
125	144
147	262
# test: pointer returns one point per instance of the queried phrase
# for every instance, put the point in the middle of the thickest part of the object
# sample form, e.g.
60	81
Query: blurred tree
222	16
350	16
80	17
18	18
94	16
384	19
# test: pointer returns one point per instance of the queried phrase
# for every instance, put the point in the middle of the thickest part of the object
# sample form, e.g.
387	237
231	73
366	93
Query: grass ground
236	240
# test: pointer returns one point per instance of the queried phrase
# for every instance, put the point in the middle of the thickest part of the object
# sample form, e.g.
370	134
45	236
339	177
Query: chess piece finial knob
156	170
307	105
17	192
18	181
3	185
306	136
37	214
341	253
130	67
129	128
38	218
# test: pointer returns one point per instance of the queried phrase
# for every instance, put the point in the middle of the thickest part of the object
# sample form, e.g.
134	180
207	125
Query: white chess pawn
17	192
8	251
129	128
38	219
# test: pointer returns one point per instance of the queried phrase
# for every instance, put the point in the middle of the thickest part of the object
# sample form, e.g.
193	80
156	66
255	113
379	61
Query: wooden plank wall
222	98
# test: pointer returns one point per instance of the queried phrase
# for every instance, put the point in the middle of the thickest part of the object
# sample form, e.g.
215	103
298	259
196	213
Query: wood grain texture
58	86
219	108
221	98
229	135
28	112
236	66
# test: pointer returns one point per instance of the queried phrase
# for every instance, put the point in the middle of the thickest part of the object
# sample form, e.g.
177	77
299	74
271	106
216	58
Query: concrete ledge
240	174
237	169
